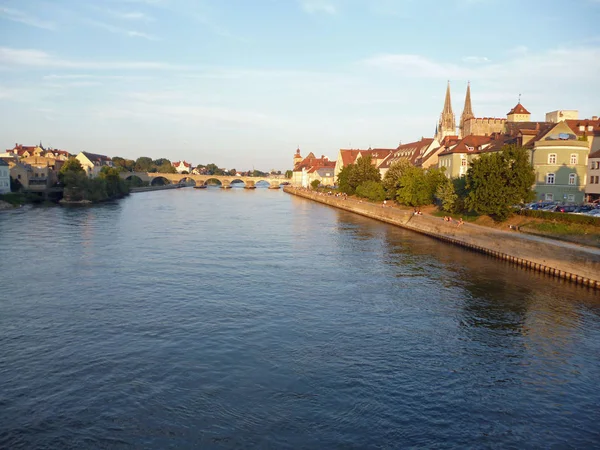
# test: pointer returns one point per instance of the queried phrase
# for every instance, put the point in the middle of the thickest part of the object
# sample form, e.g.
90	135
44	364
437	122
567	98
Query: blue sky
242	83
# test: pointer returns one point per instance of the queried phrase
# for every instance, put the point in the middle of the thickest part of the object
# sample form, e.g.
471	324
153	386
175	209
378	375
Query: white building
182	166
93	163
4	177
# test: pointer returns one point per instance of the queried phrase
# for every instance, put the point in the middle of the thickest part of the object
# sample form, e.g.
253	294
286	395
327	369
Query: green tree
289	174
418	187
161	161
315	184
144	164
363	170
166	167
413	188
496	181
372	190
343	180
72	173
124	165
114	186
71	165
392	177
213	169
447	196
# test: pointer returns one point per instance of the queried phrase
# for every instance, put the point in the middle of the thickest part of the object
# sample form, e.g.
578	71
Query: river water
255	319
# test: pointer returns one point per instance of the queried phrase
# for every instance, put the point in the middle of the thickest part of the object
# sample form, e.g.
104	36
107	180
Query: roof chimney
594	117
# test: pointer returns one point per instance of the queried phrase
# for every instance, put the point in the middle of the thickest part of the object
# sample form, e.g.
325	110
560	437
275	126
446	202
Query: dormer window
581	127
552	158
590	128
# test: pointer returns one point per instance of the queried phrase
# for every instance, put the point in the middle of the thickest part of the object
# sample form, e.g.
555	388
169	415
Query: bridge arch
159	181
135	181
212	181
188	181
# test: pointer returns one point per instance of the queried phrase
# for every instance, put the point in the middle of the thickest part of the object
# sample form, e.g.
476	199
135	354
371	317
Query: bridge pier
225	184
249	184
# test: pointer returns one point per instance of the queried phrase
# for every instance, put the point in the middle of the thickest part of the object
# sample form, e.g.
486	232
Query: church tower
297	157
467	112
447	123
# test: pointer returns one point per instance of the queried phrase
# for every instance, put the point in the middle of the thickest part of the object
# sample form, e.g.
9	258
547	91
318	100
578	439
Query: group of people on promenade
459	222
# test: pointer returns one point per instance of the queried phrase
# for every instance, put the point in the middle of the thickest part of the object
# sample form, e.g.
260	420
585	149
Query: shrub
562	217
371	190
315	184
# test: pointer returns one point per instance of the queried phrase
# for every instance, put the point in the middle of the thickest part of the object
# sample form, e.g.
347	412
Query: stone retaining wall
569	261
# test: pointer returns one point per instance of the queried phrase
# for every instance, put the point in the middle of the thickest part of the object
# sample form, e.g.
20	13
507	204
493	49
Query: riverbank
565	260
154	188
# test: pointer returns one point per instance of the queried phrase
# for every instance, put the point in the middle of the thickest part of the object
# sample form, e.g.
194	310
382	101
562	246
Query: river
255	319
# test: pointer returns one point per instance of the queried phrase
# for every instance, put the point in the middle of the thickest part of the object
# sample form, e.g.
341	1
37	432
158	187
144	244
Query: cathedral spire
447	123
447	102
467	110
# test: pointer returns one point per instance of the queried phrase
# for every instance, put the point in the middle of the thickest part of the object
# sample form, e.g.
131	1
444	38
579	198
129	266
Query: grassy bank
19	199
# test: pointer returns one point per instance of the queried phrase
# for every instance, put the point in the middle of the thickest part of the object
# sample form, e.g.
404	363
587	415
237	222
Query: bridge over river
201	180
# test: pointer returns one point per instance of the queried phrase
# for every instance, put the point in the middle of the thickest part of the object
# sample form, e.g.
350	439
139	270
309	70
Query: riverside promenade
573	262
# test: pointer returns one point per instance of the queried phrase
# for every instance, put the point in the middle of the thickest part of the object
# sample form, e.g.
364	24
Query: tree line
164	165
493	183
78	186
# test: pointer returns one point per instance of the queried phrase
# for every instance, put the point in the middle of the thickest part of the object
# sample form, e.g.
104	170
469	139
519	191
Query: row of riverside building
36	167
564	150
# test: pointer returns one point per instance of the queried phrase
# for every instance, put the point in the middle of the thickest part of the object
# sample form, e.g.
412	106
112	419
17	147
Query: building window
549	197
550	178
552	158
463	162
571	197
572	178
573	158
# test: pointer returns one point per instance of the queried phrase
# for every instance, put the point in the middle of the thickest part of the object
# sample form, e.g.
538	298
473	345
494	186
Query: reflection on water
237	318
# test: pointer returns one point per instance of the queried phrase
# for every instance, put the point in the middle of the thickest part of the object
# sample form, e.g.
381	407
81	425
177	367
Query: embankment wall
153	188
569	261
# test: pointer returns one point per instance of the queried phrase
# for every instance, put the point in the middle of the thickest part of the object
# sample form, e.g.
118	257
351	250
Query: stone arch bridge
201	180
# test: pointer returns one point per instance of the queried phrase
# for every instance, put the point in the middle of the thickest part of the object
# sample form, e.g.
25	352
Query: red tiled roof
179	163
519	109
312	162
411	151
469	144
574	124
348	156
94	157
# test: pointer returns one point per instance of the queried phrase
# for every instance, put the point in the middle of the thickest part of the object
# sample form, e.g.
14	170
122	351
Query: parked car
539	205
593	213
583	209
564	208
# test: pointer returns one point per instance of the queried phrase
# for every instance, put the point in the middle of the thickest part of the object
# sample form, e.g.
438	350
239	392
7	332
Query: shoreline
573	262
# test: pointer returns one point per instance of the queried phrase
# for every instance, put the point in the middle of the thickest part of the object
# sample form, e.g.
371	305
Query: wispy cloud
476	59
554	64
11	57
417	66
131	15
87	76
318	6
25	18
123	31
